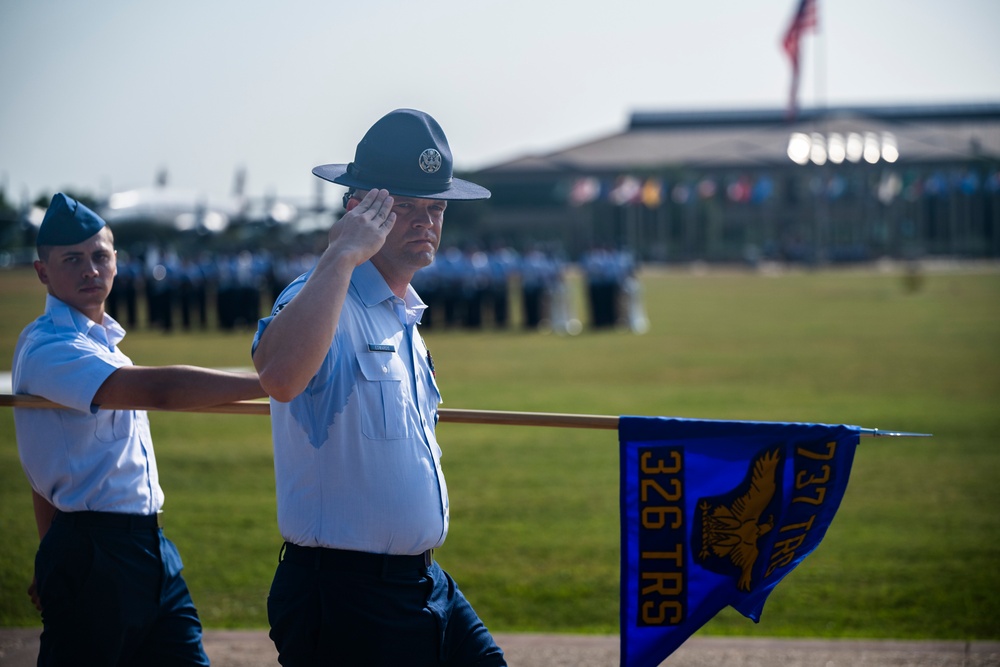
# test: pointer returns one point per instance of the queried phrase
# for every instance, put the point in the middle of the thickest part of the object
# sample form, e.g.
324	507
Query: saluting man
107	581
362	501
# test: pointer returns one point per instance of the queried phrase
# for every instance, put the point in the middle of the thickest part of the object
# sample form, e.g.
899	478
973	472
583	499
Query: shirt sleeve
67	371
283	300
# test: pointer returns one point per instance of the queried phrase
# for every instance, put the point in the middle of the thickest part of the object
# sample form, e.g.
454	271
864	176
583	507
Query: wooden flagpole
452	415
444	414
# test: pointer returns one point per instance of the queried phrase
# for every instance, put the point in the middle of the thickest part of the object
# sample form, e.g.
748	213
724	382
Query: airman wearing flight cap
107	581
362	500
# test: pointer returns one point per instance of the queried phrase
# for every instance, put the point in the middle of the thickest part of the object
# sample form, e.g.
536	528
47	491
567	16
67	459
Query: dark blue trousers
112	594
353	613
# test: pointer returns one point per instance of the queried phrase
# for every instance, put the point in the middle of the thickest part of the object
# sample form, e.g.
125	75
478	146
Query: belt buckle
428	557
159	519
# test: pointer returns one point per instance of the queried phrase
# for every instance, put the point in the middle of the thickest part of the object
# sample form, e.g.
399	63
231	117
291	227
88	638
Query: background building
832	184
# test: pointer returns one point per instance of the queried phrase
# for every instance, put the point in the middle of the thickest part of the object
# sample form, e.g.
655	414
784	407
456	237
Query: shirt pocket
114	425
383	395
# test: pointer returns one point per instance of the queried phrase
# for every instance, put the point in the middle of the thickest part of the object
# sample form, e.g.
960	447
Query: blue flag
716	513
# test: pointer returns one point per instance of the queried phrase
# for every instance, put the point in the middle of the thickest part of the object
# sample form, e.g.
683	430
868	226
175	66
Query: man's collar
65	316
373	290
371	286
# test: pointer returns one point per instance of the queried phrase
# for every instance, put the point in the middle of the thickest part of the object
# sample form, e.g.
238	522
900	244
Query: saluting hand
361	232
297	340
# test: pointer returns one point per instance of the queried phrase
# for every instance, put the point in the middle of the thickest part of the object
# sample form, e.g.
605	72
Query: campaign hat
406	153
67	222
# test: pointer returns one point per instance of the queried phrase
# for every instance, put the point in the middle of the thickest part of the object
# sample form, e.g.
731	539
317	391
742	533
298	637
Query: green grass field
913	552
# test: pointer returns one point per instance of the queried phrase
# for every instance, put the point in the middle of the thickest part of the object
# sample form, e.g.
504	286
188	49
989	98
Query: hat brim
457	190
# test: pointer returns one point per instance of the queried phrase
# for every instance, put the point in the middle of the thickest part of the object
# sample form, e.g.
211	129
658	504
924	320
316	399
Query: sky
101	96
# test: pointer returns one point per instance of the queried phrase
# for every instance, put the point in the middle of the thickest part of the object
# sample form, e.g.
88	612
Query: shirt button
385	369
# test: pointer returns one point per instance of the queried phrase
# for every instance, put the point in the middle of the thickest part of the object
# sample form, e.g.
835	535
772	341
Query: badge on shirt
372	347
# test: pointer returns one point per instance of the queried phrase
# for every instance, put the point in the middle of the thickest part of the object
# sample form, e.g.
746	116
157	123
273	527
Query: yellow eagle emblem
733	530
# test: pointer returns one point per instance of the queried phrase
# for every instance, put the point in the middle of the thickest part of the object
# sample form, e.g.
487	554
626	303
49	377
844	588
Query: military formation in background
469	289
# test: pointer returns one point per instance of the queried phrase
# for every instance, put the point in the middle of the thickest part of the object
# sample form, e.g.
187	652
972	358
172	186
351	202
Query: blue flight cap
67	222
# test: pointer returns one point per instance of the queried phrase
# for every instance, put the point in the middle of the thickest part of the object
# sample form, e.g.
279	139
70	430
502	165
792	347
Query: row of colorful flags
653	192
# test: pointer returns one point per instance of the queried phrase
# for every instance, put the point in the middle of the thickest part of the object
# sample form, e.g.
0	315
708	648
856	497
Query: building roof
658	140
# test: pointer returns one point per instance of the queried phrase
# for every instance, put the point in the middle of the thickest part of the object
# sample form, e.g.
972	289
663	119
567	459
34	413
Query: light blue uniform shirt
82	458
357	465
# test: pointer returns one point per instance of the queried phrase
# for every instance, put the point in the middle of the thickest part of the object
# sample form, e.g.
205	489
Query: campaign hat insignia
430	161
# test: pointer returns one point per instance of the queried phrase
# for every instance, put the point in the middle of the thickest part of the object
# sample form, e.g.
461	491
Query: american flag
805	19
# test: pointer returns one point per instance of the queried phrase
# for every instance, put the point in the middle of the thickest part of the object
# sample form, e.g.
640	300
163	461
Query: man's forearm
297	340
175	388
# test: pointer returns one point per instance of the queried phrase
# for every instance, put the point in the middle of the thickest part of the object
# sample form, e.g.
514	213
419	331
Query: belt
114	520
361	562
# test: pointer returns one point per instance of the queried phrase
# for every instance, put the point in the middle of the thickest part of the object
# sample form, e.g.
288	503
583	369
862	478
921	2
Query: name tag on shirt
372	347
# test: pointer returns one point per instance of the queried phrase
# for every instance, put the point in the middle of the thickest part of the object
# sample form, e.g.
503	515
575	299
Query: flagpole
498	417
820	65
451	415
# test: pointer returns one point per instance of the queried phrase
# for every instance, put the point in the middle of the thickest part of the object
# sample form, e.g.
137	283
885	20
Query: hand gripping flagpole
451	415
